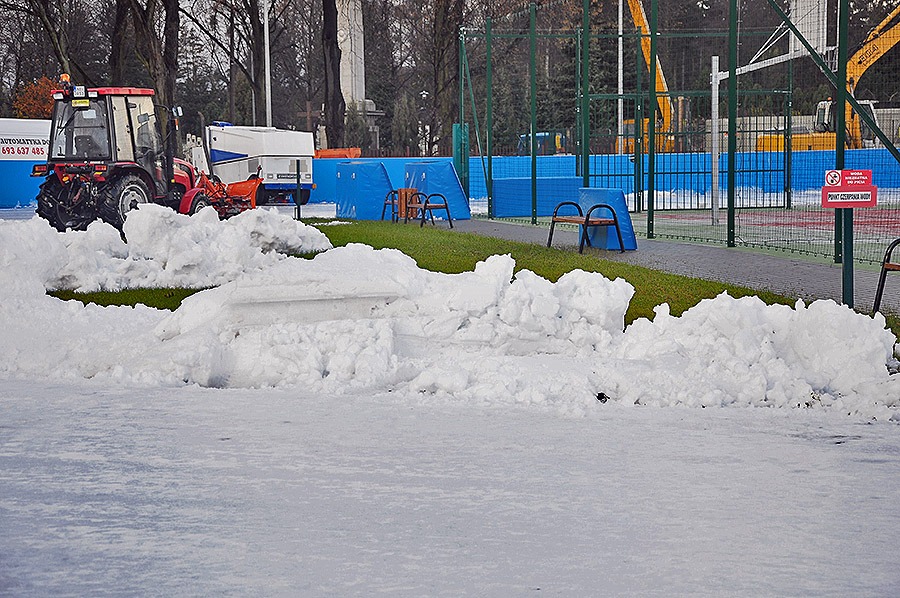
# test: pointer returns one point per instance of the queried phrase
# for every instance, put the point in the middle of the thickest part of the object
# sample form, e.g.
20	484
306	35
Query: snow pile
357	319
165	249
730	351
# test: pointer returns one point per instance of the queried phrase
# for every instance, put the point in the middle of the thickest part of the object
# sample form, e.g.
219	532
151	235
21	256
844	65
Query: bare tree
334	99
158	50
117	42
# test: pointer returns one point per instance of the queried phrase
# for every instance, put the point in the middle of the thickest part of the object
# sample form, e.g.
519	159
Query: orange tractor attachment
228	200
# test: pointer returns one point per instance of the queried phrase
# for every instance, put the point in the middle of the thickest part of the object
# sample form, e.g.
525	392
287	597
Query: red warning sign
849	189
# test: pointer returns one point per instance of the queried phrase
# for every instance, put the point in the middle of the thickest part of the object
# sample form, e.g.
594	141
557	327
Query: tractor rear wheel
49	205
199	202
120	196
53	204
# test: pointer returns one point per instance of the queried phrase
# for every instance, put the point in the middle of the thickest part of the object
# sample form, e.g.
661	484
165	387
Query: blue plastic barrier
603	237
324	170
24	190
439	176
360	189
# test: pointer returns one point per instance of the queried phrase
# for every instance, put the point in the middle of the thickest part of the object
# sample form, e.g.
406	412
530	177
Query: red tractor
106	156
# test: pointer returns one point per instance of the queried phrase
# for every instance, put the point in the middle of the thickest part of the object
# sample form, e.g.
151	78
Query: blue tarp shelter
360	189
439	176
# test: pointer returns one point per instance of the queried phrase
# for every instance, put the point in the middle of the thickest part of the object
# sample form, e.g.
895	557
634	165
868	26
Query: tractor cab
109	124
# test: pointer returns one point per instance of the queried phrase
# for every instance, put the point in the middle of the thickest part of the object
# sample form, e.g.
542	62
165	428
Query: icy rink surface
198	492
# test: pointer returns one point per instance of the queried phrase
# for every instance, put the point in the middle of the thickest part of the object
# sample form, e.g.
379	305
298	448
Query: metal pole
732	116
462	75
651	128
715	148
789	140
840	106
489	183
532	35
268	64
638	137
620	129
585	90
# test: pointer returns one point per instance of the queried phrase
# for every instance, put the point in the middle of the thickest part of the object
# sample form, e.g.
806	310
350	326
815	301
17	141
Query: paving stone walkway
785	274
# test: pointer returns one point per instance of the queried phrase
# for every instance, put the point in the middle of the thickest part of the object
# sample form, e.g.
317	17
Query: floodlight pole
840	106
620	128
268	64
585	90
532	30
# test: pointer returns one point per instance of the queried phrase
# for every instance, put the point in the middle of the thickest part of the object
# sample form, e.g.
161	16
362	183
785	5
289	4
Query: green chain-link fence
682	175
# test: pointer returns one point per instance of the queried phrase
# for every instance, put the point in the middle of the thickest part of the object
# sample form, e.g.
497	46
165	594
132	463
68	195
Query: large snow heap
355	318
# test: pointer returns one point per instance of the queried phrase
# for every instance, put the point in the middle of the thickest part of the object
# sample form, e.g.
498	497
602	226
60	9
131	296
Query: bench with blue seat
596	211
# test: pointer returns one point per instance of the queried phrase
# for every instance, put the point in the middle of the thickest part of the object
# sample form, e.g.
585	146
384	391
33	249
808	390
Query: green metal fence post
460	129
585	90
732	117
462	75
489	109
638	139
840	105
651	122
788	142
532	70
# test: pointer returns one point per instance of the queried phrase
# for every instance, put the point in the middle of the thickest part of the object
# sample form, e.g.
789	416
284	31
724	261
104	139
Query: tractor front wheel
263	196
121	196
199	202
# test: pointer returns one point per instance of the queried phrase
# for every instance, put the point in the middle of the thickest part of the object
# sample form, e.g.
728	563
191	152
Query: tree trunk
334	99
448	16
117	39
258	58
232	70
170	51
159	55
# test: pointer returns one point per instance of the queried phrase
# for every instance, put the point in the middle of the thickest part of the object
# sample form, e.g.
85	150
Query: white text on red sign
848	178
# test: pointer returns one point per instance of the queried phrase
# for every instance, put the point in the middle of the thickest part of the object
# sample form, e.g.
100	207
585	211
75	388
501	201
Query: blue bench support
615	199
586	222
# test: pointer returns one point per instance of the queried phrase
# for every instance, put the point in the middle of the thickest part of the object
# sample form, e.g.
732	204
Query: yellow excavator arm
663	100
881	39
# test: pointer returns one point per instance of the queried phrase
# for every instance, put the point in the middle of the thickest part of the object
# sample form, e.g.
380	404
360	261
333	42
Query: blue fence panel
512	196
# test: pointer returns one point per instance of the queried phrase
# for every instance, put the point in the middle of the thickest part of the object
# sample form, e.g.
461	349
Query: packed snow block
512	197
604	237
360	189
439	176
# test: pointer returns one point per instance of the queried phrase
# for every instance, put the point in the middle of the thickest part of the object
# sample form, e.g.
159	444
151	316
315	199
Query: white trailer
283	159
